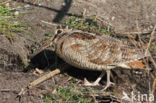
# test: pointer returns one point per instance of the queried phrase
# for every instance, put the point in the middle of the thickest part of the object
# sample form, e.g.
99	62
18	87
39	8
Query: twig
93	96
141	42
21	92
48	75
84	12
44	77
153	62
151	38
153	85
5	90
53	24
136	32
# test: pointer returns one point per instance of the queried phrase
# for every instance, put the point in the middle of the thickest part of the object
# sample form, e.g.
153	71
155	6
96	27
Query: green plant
8	26
47	99
47	35
67	95
153	47
89	24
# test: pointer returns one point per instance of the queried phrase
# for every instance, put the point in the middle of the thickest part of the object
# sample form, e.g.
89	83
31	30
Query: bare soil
121	15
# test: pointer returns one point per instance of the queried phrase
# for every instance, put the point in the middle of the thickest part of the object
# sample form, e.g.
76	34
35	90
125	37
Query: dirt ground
42	17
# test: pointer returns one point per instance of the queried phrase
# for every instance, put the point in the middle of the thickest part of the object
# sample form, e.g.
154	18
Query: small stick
5	90
152	60
44	77
49	23
153	86
21	92
135	32
151	38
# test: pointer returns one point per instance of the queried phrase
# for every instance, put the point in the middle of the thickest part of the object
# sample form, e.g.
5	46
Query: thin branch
44	77
151	38
154	84
49	23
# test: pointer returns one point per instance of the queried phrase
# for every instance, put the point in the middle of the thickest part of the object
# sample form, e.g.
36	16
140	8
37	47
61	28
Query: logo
133	97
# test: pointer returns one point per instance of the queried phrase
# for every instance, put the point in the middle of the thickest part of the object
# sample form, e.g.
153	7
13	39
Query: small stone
63	4
27	6
113	17
7	4
151	26
16	13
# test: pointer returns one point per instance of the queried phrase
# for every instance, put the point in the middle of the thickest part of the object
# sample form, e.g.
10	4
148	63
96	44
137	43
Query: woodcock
90	51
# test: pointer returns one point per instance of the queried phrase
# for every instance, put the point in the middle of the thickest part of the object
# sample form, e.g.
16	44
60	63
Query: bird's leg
109	83
87	83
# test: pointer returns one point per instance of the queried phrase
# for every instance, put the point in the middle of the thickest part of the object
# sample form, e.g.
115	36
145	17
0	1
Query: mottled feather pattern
136	65
86	50
95	52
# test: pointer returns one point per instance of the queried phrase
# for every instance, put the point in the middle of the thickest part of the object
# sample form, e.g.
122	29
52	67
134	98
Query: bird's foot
108	85
87	83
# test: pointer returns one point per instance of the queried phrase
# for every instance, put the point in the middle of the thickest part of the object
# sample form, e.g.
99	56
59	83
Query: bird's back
96	52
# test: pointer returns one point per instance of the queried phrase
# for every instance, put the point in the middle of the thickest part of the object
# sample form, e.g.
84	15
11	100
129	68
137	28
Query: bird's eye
59	31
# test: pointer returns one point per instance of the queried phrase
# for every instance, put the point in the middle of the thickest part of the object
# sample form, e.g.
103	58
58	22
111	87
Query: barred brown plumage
90	51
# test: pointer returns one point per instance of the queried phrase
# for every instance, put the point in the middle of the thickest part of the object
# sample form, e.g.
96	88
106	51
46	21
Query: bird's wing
100	50
130	54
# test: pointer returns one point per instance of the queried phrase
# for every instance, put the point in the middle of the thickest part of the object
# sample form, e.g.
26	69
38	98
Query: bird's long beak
47	44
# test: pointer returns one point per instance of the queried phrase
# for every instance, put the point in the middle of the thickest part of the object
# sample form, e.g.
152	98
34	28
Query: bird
92	51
